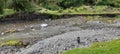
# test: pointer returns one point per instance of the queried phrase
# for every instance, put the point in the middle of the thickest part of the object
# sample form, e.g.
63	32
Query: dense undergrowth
111	47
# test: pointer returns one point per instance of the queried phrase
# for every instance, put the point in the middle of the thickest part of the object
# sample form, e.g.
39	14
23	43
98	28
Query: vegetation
98	48
11	43
56	8
1	8
75	3
21	5
59	6
7	12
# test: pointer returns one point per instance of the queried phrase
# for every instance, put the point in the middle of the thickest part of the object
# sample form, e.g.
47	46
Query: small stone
3	33
44	25
65	48
31	27
25	26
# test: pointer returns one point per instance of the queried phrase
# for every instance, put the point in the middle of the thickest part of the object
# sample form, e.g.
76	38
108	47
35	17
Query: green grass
83	10
7	12
72	10
11	43
111	47
92	10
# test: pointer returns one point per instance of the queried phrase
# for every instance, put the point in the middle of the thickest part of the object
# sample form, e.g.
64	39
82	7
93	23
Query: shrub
70	3
113	3
21	5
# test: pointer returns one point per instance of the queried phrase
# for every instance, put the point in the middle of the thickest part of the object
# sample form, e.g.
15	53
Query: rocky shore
61	35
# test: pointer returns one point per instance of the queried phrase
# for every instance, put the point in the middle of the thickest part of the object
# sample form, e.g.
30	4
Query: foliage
12	43
89	2
27	5
20	5
75	3
1	7
61	6
111	47
49	4
70	3
91	10
7	12
113	3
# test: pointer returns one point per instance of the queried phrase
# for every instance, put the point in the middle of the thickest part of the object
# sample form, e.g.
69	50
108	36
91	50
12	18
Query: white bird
44	25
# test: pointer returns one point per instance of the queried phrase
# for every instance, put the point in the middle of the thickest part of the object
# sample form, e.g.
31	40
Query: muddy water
21	30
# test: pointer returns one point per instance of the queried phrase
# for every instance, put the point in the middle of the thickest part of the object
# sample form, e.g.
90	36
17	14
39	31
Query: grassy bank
111	47
84	10
75	10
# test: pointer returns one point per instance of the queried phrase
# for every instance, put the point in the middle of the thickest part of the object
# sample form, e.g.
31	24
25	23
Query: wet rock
117	24
44	25
94	22
3	33
20	29
31	27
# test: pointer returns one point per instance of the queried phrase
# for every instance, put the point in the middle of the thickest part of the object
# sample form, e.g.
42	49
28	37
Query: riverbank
32	32
67	41
42	13
44	16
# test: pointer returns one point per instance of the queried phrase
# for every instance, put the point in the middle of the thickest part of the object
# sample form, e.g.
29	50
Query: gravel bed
67	41
61	35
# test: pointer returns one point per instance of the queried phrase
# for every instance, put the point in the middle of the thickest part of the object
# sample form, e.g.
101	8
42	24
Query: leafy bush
28	5
70	3
113	3
21	5
52	7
